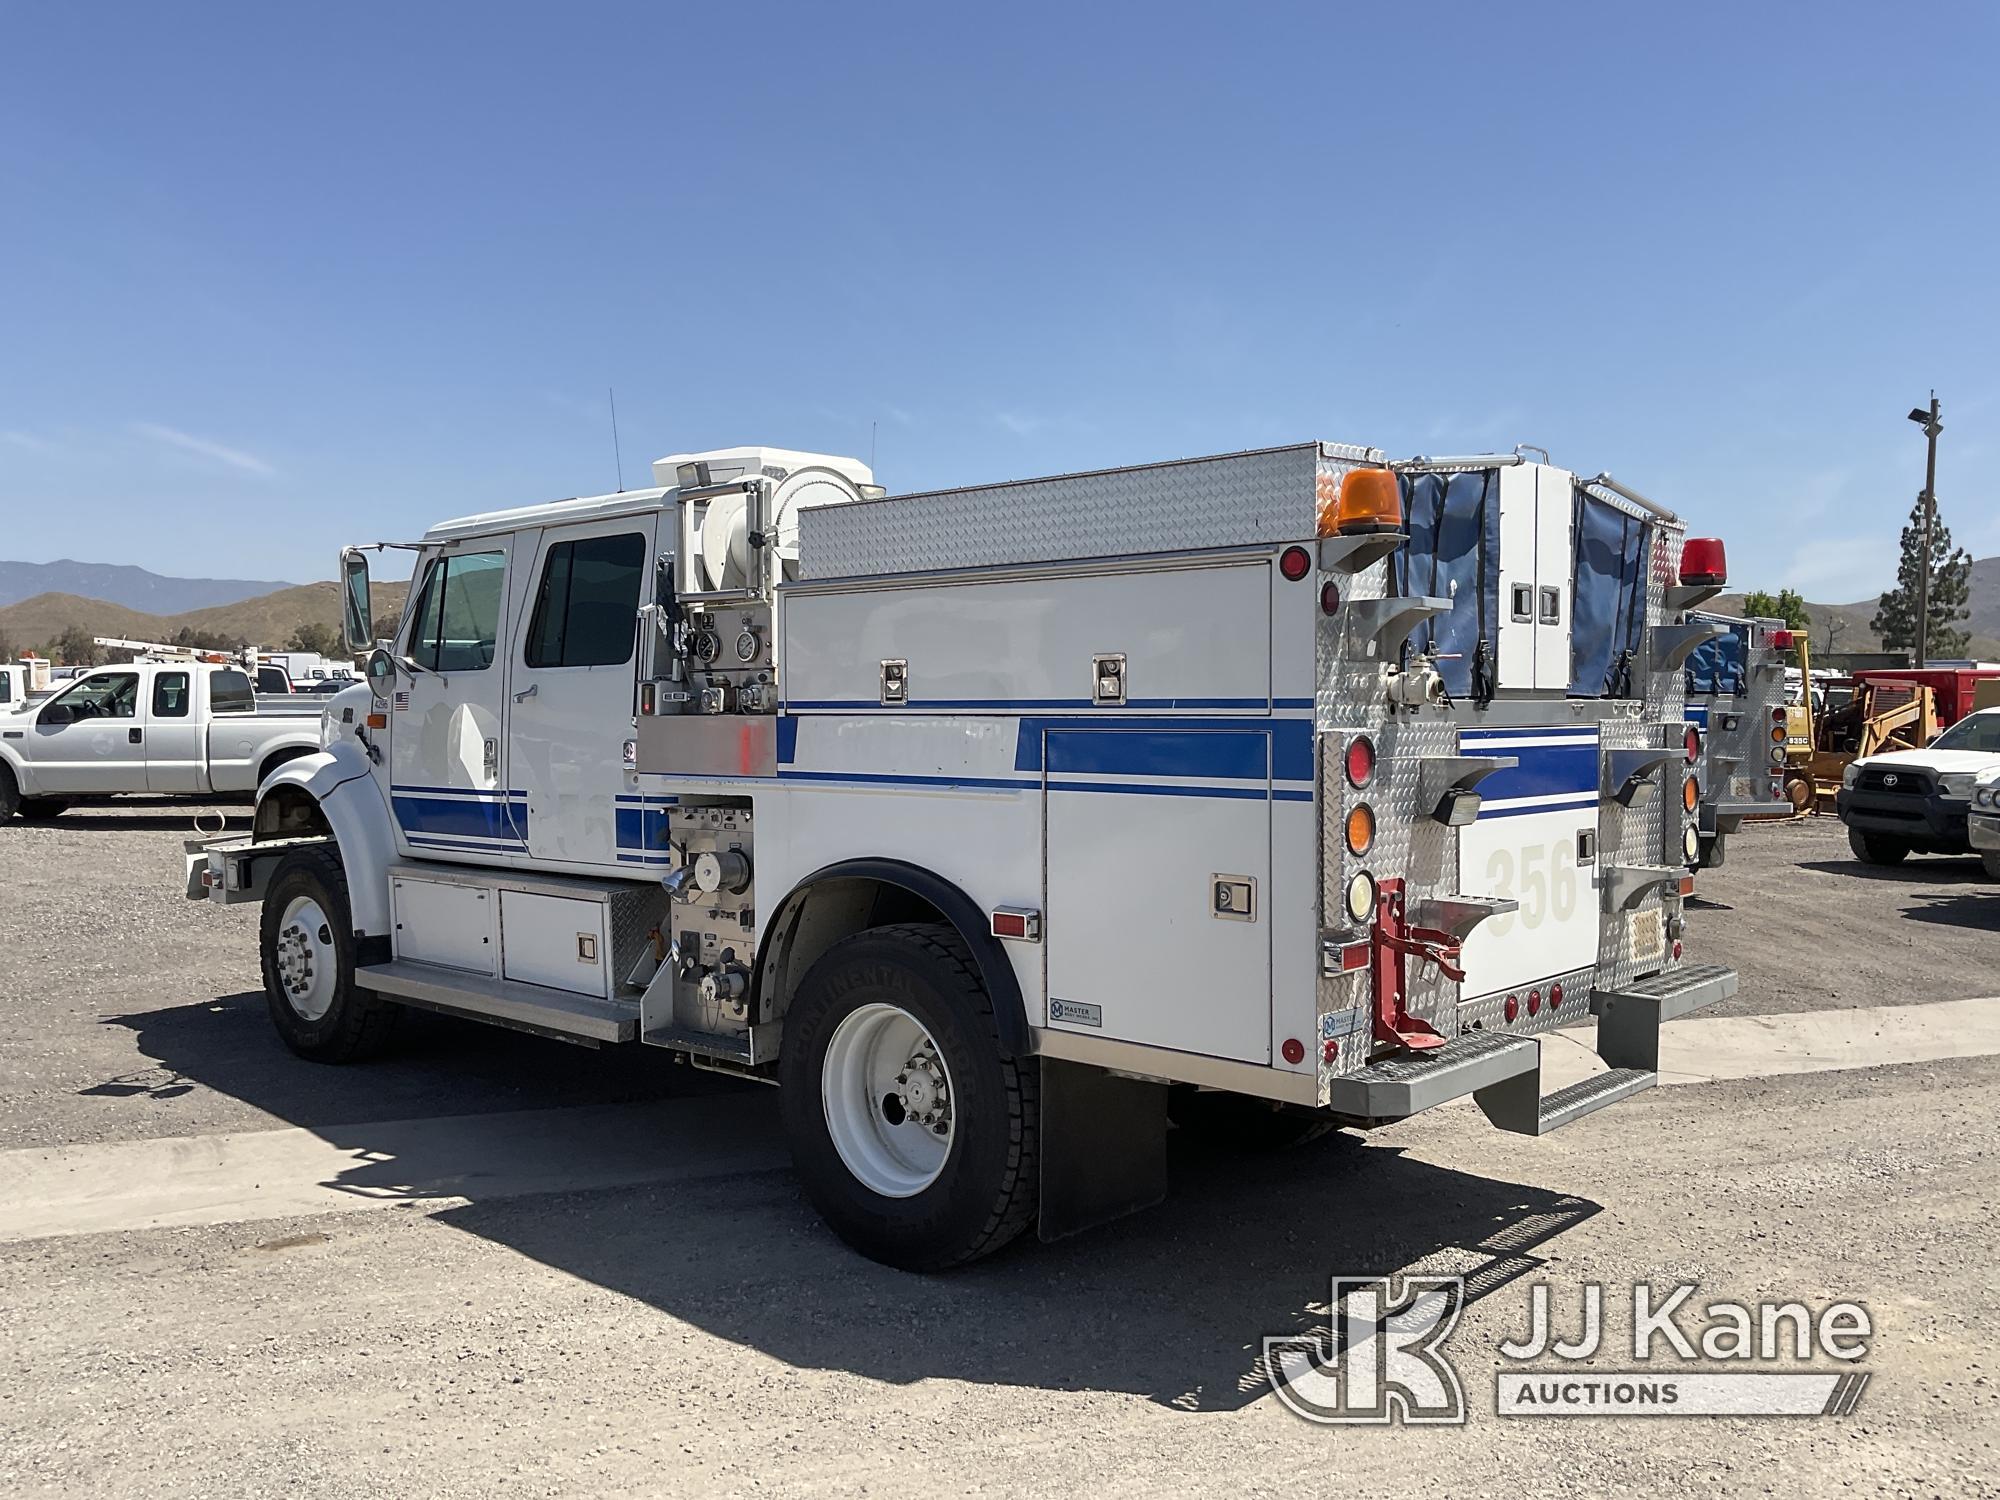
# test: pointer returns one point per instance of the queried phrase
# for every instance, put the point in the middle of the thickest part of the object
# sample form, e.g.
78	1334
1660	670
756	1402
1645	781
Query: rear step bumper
1503	1073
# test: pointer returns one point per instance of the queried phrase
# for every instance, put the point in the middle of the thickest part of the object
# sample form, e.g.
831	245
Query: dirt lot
677	1321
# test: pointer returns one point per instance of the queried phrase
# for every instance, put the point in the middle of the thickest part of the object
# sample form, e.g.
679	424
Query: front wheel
1876	848
914	1138
1991	859
307	938
10	793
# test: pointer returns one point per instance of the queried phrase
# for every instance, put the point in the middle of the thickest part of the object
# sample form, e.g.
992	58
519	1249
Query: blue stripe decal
1138	752
869	778
987	783
1016	705
1697	713
459	791
641	827
1543	772
788	740
1568	804
1291	744
470	846
501	821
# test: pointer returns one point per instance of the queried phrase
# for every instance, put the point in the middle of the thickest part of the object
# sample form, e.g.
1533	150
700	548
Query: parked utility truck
1737	730
1267	792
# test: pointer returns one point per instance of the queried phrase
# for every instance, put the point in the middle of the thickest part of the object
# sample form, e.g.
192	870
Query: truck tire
307	940
1991	859
1876	848
914	1138
10	793
1238	1122
42	809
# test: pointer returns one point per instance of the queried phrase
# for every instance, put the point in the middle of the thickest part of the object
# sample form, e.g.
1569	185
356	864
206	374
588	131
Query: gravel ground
710	1338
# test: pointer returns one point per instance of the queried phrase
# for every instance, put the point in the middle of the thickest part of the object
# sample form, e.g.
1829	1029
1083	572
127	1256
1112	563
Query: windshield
1979	732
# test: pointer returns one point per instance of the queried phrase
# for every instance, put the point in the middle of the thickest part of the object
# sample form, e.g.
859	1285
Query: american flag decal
402	701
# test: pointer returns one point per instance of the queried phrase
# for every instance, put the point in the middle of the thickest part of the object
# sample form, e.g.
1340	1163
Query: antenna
871	444
617	456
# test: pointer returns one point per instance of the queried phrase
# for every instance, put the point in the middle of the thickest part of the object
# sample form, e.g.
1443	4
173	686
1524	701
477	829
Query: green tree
75	648
1788	605
1950	587
313	636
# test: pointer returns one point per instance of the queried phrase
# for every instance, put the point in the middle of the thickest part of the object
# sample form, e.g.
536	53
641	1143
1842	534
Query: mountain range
139	605
128	587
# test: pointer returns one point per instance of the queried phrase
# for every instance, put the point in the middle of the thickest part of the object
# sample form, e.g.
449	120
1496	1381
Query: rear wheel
308	949
1240	1122
1876	848
914	1138
1991	859
10	792
41	809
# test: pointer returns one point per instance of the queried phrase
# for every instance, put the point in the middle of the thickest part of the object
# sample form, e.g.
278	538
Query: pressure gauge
747	646
705	645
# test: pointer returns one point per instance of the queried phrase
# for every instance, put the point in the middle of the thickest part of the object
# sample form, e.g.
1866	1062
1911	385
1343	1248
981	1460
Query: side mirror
58	713
381	672
357	625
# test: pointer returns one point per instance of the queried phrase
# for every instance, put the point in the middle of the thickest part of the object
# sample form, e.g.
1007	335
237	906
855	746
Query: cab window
108	695
457	619
170	695
229	692
588	599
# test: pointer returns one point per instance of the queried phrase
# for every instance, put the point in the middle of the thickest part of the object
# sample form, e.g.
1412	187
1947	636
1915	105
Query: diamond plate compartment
1193	504
1489	1012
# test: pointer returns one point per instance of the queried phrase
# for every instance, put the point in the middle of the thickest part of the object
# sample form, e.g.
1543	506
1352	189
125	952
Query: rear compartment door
1534	842
1159	852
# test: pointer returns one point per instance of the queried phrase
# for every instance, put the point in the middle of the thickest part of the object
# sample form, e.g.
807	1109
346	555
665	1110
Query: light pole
1928	420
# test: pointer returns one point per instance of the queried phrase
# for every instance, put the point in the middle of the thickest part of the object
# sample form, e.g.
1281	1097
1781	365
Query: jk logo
1380	1360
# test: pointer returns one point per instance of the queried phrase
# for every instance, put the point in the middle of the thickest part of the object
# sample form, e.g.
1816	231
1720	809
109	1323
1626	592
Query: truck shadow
1979	911
1173	1304
1920	870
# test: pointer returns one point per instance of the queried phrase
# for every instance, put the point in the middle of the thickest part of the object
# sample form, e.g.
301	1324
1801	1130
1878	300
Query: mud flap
1103	1147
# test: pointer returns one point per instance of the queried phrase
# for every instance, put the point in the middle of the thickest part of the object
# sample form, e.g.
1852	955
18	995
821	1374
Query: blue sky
273	278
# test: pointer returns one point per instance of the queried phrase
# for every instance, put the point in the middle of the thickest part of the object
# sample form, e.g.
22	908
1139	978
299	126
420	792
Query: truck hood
1940	761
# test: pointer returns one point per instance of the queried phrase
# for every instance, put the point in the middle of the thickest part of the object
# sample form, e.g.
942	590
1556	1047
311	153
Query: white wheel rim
306	958
888	1101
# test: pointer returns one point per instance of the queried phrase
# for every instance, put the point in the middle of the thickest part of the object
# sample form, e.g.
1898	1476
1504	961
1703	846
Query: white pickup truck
175	728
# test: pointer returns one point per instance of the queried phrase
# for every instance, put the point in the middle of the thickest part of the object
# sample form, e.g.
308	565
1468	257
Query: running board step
1516	1104
1399	1087
504	1002
747	1049
1629	1018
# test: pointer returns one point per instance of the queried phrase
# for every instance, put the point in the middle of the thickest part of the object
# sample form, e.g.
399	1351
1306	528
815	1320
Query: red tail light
1329	598
1295	563
1360	760
1692	740
1703	561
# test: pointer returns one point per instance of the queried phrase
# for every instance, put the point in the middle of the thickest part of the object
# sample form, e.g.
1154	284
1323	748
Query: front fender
23	769
341	782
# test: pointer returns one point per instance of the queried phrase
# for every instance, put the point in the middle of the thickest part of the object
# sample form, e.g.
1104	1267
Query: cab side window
457	619
588	600
229	692
170	695
109	695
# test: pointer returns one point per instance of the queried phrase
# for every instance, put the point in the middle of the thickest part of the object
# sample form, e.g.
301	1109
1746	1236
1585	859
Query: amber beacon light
1367	502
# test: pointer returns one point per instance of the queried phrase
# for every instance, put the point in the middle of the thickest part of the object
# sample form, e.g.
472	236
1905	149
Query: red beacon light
1703	561
1784	640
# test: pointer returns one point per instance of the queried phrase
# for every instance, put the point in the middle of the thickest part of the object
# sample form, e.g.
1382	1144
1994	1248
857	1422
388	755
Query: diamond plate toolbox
1234	500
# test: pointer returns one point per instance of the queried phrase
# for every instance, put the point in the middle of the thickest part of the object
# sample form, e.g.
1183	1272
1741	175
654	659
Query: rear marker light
1329	598
1017	922
1294	1050
1330	1051
1354	956
1677	950
1555	995
1777	716
1534	1002
1512	1008
1687	885
1777	734
1690	793
378	721
1360	760
1692	740
1361	829
1295	563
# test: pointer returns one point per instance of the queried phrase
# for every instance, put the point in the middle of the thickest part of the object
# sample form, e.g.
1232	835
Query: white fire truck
1266	793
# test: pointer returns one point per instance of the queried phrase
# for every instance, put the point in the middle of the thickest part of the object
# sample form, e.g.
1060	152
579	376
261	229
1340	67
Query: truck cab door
447	783
570	691
174	739
90	738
